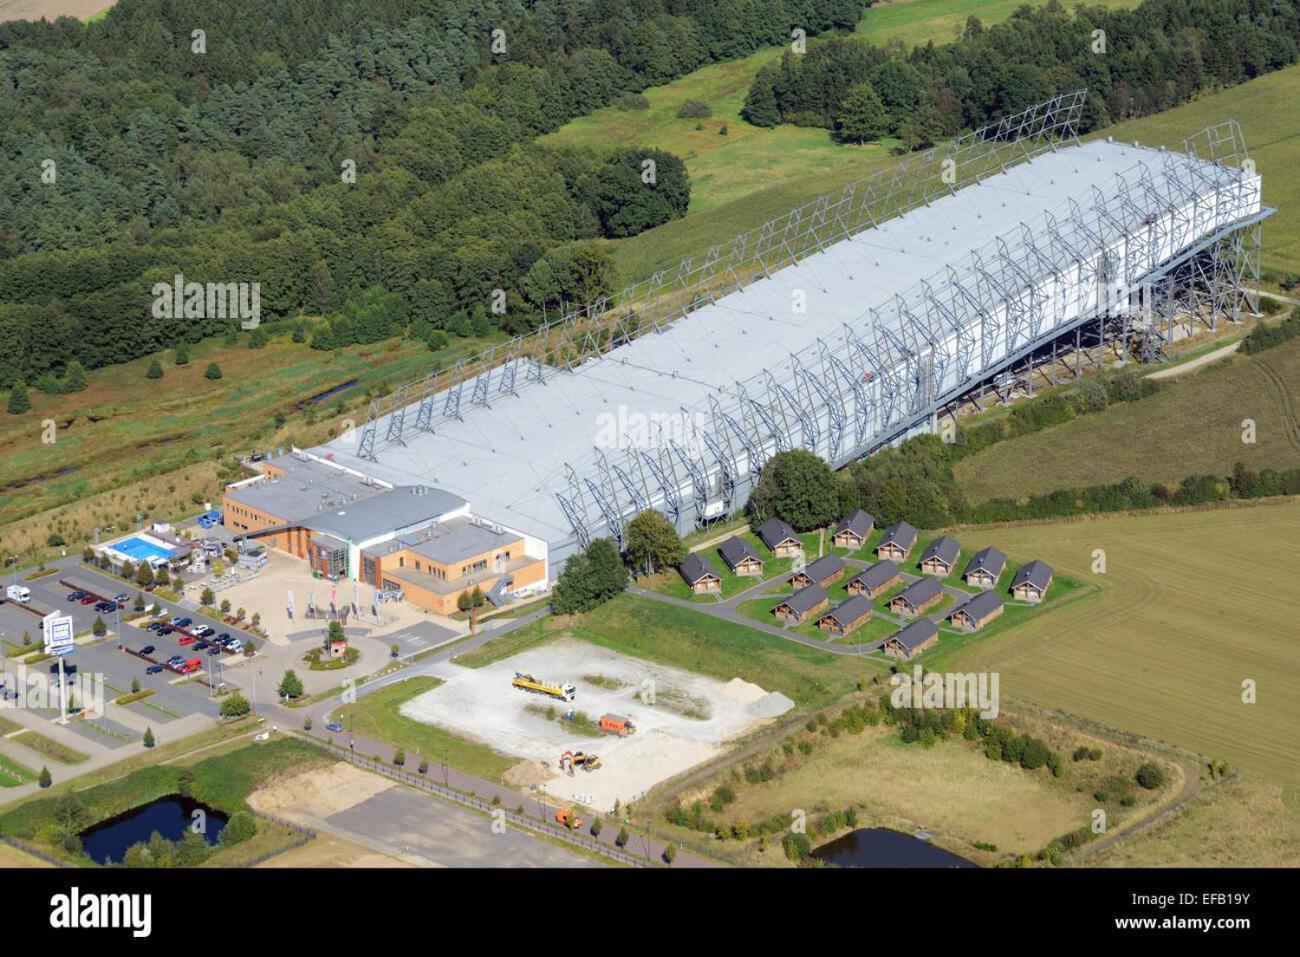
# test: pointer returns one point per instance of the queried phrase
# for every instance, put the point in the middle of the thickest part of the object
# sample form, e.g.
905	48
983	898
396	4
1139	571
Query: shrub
694	110
632	101
241	826
1150	776
797	847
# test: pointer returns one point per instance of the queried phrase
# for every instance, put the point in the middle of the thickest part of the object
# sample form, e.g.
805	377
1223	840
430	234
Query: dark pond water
881	847
171	817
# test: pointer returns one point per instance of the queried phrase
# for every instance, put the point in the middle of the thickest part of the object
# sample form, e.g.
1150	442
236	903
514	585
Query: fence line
523	821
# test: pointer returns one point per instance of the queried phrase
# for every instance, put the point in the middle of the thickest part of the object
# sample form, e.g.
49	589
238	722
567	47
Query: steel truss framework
1160	252
643	307
1174	243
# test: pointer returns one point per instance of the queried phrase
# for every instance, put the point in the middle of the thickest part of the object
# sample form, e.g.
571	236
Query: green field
749	175
1193	426
645	628
1192	604
1263	107
376	715
223	780
915	22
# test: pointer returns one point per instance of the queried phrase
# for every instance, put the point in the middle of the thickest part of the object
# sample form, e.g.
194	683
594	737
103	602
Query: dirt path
1196	363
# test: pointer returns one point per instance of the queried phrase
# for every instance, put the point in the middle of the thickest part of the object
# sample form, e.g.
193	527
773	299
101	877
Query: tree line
1133	63
131	158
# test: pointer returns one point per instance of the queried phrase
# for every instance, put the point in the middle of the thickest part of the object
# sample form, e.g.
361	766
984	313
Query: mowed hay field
1193	426
1191	605
915	22
53	9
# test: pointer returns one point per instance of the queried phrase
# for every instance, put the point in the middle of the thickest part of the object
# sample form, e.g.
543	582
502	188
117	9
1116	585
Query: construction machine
578	759
567	818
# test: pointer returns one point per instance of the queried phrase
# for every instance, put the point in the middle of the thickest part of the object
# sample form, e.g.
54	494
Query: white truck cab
19	593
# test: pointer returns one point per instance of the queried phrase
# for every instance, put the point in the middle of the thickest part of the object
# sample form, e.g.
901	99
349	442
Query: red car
89	600
188	639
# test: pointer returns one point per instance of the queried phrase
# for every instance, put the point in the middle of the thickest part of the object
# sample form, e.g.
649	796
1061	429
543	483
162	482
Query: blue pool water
138	549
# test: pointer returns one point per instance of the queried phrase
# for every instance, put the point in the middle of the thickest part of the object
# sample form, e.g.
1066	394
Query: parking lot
117	658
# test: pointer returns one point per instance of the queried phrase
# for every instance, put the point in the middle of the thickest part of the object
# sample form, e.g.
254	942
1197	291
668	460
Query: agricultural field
1240	823
917	22
1193	426
1191	605
88	10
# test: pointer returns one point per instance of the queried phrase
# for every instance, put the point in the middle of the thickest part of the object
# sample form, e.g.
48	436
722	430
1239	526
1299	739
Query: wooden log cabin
847	616
917	597
824	571
802	605
876	580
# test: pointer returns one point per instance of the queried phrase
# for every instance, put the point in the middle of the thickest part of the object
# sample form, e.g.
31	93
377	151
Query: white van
19	593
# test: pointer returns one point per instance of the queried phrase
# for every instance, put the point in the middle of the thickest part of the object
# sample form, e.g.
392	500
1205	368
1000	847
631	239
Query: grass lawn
1199	432
683	638
1187	611
222	780
376	715
13	774
49	747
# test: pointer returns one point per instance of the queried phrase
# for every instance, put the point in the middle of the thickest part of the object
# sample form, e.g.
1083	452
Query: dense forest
1143	60
372	161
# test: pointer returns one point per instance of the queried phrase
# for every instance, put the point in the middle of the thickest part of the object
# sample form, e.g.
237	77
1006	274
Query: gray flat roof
449	542
310	487
390	511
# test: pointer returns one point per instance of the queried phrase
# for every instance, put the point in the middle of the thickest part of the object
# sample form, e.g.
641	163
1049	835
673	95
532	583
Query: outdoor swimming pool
137	549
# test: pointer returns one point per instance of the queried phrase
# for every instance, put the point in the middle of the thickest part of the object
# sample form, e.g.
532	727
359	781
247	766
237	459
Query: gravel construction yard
690	721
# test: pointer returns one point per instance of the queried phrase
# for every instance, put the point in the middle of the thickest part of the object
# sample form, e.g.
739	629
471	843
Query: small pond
881	847
171	816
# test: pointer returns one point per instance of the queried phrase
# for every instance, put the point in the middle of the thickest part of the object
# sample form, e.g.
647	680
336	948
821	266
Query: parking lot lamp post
445	783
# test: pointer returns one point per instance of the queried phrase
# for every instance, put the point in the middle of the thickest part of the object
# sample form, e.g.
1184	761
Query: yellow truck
562	692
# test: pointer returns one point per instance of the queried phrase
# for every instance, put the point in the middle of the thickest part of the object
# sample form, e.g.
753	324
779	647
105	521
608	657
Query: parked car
147	650
89	600
122	598
77	595
166	630
154	669
154	626
188	639
214	649
181	622
235	646
200	646
202	631
334	727
224	636
175	660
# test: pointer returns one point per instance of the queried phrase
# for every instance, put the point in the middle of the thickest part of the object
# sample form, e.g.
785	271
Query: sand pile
770	705
743	691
